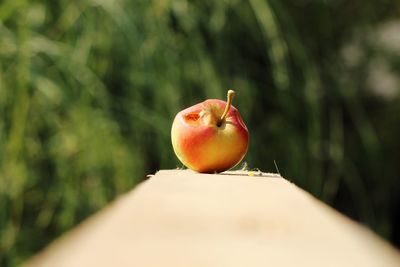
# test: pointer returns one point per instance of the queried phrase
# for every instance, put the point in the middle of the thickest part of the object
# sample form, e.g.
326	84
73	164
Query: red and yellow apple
210	136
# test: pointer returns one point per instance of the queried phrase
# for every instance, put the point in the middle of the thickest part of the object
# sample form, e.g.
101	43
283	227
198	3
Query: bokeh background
89	89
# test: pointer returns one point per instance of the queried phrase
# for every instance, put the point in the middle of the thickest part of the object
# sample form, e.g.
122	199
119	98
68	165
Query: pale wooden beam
183	219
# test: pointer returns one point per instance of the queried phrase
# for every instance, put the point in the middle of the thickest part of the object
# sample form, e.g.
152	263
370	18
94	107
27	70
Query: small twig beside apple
210	136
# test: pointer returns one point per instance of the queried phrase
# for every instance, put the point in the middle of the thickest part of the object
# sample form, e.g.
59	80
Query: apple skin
203	146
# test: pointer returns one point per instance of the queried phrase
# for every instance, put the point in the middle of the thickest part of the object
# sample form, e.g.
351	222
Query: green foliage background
89	89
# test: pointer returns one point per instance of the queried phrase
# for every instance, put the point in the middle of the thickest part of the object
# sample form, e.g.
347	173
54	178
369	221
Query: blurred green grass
89	89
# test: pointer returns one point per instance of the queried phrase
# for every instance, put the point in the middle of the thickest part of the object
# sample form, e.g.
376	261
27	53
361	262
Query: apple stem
229	97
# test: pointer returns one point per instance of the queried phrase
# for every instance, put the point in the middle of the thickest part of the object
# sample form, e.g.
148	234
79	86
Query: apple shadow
254	174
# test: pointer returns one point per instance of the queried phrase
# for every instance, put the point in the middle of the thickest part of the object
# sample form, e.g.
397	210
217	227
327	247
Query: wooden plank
180	218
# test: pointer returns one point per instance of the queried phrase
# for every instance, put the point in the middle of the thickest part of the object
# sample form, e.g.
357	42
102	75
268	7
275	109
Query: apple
210	136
